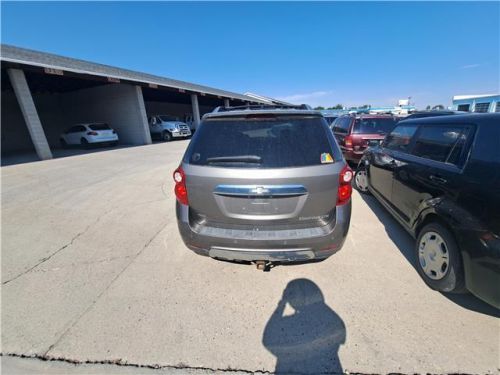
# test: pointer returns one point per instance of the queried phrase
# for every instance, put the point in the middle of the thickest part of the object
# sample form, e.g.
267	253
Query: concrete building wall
51	116
15	135
174	109
119	105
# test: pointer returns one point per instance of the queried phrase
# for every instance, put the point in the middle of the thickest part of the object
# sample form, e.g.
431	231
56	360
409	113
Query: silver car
264	185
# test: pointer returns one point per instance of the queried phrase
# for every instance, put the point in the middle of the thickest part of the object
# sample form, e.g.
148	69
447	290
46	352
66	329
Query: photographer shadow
307	340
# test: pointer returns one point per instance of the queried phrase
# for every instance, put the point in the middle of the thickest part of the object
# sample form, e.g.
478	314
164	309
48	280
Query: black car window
441	142
400	138
81	128
268	142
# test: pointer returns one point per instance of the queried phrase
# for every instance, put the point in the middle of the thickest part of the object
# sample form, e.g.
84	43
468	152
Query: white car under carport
89	133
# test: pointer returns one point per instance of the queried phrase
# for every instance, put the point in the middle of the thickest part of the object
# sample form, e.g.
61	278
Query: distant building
477	103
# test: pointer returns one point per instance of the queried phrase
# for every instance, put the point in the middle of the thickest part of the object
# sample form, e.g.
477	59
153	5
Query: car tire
360	180
84	143
166	136
439	262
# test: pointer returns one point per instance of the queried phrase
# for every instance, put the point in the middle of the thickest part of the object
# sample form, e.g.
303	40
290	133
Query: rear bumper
93	139
482	266
286	248
352	156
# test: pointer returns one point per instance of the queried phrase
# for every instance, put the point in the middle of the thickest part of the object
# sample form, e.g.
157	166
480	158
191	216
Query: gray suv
264	185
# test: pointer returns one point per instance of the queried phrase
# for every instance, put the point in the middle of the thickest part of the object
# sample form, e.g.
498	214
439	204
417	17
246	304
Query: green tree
438	107
428	108
319	108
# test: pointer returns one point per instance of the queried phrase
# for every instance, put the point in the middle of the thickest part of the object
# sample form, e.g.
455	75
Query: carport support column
196	110
226	102
25	100
143	117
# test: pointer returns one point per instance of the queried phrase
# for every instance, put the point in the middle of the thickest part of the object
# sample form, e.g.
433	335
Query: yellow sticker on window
326	158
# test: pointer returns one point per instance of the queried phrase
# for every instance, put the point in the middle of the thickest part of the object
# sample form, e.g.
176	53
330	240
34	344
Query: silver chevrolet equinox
263	184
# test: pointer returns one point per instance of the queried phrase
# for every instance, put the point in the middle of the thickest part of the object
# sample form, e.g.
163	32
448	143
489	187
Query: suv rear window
99	127
373	125
263	142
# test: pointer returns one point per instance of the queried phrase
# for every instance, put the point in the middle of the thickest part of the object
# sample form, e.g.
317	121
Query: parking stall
43	95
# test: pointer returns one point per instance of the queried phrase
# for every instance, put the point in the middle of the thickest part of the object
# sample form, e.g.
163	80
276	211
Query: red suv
355	133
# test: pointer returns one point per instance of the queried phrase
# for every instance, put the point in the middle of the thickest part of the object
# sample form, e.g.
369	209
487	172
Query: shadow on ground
406	245
307	339
29	157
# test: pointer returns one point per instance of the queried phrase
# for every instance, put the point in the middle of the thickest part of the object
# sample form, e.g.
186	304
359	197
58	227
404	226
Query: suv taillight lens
92	133
180	186
348	141
345	188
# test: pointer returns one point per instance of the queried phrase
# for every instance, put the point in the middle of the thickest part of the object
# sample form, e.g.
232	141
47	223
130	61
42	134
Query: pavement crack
68	244
124	363
79	264
92	304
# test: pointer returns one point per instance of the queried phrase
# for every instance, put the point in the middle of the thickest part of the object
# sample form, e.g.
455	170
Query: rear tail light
345	188
348	141
180	186
92	133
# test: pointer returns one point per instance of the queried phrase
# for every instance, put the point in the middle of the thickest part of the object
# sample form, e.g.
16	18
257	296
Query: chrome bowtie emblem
260	190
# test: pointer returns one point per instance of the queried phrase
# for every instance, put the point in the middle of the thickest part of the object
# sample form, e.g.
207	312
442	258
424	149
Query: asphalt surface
94	271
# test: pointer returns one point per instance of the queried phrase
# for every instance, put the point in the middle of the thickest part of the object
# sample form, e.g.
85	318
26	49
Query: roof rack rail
261	106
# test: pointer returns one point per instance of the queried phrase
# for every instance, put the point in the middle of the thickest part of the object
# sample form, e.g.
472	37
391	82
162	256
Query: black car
440	178
422	114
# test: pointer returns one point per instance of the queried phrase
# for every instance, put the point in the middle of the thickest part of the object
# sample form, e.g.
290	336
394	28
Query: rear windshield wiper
235	159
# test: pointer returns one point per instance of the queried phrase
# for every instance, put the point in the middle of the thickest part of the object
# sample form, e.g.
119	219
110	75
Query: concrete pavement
93	270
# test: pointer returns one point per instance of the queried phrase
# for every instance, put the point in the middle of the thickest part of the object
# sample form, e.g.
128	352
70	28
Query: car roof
468	118
275	111
368	115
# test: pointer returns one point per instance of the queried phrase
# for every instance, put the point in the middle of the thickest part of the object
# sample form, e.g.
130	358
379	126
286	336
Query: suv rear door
252	171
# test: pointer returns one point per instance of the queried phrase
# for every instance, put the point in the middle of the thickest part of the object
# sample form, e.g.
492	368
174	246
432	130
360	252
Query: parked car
89	134
440	178
422	114
167	128
263	185
356	132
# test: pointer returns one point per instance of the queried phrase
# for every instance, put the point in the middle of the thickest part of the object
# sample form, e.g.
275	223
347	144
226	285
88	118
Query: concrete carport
44	94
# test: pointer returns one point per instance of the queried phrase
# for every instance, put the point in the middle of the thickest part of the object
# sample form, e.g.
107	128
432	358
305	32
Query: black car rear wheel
439	261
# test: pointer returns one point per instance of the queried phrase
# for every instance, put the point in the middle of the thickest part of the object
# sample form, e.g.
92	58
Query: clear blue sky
317	53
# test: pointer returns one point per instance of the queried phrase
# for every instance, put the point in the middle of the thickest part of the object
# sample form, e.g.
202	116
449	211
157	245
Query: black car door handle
438	179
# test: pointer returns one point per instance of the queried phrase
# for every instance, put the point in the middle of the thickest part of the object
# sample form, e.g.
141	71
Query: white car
87	134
